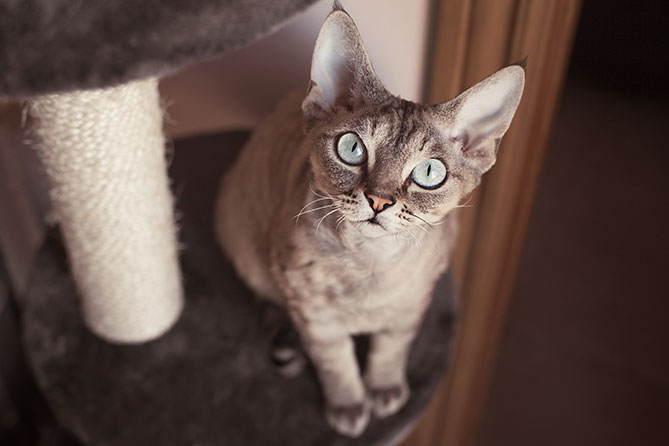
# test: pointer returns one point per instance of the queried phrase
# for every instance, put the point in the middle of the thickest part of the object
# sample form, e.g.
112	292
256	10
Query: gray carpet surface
209	380
58	45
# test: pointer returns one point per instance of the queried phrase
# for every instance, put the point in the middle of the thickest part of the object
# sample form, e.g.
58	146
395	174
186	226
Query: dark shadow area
25	418
583	360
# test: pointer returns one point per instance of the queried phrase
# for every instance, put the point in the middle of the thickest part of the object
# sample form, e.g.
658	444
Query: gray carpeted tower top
48	46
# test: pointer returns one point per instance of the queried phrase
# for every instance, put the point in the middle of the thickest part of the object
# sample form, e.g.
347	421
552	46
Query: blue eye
429	174
351	150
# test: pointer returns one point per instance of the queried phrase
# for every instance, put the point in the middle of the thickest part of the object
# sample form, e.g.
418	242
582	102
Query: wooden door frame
472	39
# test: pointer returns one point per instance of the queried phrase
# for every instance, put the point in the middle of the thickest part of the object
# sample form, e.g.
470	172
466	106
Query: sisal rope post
103	151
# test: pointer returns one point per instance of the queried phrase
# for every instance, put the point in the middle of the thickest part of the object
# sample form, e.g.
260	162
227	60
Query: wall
238	89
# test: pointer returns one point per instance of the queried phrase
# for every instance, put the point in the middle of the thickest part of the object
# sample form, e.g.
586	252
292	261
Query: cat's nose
379	202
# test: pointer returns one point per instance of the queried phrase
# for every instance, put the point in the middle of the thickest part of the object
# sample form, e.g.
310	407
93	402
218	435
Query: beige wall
236	90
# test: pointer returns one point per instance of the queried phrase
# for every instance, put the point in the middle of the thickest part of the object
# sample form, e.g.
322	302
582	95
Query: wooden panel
21	228
484	36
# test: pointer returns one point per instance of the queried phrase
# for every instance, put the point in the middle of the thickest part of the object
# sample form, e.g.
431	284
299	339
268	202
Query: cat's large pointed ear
341	73
479	117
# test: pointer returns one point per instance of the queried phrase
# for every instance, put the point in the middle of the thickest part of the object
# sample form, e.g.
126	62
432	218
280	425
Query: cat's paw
287	356
388	400
289	362
350	420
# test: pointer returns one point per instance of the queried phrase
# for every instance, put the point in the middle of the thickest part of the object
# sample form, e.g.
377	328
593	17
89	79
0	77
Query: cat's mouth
370	222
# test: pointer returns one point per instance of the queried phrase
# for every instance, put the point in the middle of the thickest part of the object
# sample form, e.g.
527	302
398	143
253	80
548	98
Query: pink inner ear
343	89
330	68
461	136
478	153
344	102
316	98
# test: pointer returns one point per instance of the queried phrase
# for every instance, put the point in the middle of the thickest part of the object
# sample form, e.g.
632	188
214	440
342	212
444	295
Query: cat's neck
383	247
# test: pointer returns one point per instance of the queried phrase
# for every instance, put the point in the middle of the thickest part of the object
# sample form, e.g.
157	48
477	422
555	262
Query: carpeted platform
209	381
59	45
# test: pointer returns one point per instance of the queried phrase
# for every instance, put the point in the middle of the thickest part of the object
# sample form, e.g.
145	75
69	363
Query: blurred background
581	355
584	353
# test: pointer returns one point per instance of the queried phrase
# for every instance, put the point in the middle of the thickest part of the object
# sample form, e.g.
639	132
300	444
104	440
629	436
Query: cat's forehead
399	127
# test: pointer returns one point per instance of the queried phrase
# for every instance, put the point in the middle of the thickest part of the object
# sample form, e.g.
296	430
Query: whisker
313	210
422	219
429	234
404	239
317	194
309	204
418	243
469	200
314	201
340	220
423	229
323	218
436	223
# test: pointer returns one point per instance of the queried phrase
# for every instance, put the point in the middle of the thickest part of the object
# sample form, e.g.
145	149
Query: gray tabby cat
343	211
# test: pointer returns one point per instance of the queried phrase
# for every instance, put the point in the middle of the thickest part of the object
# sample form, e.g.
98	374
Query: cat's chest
358	274
361	287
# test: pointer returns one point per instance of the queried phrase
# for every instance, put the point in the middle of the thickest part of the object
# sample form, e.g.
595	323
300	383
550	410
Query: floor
585	354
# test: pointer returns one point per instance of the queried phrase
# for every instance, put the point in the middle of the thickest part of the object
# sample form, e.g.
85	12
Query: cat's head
388	163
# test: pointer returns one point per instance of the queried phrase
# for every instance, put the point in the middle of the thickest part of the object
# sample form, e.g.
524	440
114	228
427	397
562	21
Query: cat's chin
371	228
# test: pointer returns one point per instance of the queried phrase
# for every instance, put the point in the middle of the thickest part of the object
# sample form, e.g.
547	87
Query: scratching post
103	151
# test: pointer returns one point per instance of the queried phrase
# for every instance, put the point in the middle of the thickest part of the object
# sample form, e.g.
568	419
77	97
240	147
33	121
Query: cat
342	208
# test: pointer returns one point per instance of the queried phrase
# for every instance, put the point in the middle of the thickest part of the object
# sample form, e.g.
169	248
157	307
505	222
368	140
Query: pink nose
378	203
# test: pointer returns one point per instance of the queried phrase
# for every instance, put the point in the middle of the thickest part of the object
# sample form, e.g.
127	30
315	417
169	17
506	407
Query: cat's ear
341	73
481	115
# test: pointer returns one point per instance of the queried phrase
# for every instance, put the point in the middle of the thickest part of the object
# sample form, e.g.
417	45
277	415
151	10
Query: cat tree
88	73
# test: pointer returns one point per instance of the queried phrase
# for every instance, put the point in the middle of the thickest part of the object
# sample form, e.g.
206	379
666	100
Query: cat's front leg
386	370
347	407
